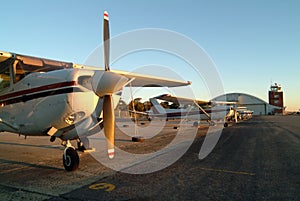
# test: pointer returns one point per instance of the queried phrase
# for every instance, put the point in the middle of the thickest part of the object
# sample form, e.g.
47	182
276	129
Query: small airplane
244	113
43	97
217	110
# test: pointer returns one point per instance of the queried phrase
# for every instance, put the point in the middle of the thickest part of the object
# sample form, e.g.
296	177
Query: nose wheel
70	158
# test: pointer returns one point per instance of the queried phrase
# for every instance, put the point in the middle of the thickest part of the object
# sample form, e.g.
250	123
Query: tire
70	159
225	125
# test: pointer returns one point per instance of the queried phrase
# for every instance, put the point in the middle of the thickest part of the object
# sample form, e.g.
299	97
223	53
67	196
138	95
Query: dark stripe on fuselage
184	113
39	92
38	89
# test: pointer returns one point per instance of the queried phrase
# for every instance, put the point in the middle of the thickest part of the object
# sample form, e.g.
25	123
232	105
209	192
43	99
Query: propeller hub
107	83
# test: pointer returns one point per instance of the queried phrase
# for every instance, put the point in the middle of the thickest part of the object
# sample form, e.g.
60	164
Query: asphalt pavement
258	159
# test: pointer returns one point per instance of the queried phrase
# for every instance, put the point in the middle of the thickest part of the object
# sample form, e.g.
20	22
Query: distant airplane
42	97
244	113
217	110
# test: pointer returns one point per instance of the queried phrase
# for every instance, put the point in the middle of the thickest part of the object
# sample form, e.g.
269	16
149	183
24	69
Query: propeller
106	40
104	84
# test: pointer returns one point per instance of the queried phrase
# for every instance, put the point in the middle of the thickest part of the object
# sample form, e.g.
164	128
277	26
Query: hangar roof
241	98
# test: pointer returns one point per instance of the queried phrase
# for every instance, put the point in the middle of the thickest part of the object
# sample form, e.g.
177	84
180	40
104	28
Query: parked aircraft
42	97
215	110
244	113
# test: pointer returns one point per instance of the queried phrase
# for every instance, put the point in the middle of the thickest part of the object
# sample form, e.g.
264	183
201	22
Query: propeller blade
109	124
106	40
109	84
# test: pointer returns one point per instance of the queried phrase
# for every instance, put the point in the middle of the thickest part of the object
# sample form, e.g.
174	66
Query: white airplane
244	113
42	97
217	110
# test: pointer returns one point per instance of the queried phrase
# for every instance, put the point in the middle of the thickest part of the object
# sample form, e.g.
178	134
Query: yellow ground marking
228	171
103	186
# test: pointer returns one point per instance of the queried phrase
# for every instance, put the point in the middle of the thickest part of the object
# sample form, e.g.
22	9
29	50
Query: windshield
28	64
4	76
14	69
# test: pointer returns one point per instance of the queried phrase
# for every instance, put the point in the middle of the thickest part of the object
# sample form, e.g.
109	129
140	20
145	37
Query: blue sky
251	42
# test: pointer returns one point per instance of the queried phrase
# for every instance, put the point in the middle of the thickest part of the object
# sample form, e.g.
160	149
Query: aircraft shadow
29	165
33	145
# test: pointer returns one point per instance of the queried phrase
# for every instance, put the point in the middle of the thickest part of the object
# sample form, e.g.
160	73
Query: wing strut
204	112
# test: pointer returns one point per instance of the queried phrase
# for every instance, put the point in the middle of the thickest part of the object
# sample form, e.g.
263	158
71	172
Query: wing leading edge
141	80
136	79
183	100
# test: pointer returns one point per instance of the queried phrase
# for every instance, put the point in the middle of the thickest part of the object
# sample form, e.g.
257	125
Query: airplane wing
180	100
183	100
137	80
140	80
224	103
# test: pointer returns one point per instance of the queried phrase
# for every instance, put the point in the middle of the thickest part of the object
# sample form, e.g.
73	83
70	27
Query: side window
19	71
4	78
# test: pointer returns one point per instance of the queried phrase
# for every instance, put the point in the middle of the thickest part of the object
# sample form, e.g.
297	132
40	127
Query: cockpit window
4	77
29	64
15	68
19	71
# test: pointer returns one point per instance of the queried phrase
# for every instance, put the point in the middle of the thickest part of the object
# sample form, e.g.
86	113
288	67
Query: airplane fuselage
56	99
215	114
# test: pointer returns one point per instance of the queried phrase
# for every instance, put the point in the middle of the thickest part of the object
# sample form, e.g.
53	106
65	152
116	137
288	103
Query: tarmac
257	159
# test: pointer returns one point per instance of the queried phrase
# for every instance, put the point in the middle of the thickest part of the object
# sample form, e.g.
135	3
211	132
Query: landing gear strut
83	144
70	157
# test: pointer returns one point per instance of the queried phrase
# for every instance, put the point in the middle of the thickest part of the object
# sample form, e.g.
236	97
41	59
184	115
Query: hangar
257	105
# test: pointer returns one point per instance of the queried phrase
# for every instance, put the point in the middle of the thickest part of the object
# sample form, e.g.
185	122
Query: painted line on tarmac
228	171
102	186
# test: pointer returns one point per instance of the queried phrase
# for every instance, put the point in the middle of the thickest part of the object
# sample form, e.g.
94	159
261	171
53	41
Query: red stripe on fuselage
38	89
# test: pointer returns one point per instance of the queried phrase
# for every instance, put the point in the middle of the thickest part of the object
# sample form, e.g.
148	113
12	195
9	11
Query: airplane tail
157	108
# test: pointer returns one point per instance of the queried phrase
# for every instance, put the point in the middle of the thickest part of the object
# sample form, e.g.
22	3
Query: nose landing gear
70	157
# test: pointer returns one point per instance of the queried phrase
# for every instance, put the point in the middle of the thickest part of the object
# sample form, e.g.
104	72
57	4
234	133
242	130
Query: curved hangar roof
259	106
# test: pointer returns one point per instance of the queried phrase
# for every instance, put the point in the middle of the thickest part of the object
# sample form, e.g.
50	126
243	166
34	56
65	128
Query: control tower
276	98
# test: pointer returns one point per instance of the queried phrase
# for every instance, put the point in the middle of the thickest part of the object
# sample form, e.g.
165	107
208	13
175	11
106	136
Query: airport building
276	98
257	105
